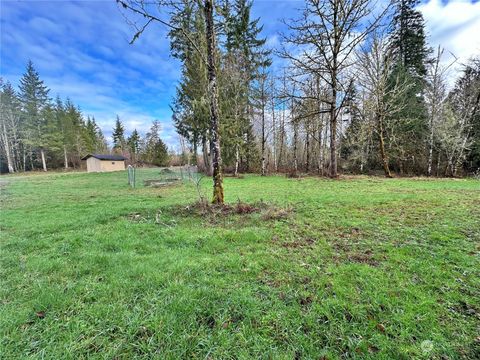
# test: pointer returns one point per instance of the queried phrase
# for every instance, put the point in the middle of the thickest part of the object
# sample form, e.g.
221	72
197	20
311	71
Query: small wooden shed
104	162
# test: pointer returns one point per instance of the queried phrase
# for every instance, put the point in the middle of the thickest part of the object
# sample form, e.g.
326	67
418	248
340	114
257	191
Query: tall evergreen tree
66	130
118	136
241	52
155	151
160	154
243	38
34	97
408	40
244	56
409	48
133	143
101	145
76	132
52	136
90	136
191	114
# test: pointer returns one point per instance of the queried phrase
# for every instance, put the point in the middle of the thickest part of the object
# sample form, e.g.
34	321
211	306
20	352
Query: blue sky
81	49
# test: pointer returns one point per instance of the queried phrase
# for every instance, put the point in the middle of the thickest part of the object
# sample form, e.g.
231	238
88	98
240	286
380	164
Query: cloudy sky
81	50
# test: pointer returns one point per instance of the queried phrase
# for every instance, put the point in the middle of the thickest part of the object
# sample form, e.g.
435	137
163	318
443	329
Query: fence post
131	175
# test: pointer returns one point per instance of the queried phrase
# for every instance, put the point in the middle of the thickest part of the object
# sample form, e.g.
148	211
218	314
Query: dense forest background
359	91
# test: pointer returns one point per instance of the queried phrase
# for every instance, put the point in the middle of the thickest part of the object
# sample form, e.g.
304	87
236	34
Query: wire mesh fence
162	176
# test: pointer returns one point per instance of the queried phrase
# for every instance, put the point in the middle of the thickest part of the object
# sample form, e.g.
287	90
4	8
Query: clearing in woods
358	267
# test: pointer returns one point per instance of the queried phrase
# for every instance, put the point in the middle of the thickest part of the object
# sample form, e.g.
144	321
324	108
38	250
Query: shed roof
109	157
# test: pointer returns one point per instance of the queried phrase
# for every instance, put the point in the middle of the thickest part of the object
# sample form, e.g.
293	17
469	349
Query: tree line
360	93
361	90
37	132
149	149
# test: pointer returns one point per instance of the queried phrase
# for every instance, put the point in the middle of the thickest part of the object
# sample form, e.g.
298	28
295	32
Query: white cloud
454	26
81	51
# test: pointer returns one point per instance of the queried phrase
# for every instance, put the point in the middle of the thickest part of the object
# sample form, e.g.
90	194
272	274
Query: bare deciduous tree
375	66
435	98
455	131
326	35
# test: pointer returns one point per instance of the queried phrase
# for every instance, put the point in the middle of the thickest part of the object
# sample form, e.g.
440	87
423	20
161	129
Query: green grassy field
352	268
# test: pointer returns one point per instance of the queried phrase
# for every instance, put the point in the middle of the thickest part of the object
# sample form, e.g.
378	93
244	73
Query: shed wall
93	165
110	165
96	165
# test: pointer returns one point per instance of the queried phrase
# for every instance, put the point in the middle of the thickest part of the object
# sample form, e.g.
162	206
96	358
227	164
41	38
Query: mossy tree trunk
218	197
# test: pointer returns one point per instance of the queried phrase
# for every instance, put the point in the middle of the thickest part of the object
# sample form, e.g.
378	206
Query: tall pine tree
191	113
409	47
101	145
90	136
244	55
133	143
34	97
118	136
408	40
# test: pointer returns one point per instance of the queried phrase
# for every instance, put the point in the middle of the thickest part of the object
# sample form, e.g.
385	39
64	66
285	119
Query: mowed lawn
359	267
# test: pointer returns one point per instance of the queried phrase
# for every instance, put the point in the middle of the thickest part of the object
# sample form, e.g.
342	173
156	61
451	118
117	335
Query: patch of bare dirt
238	213
300	243
204	209
348	255
350	246
273	213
